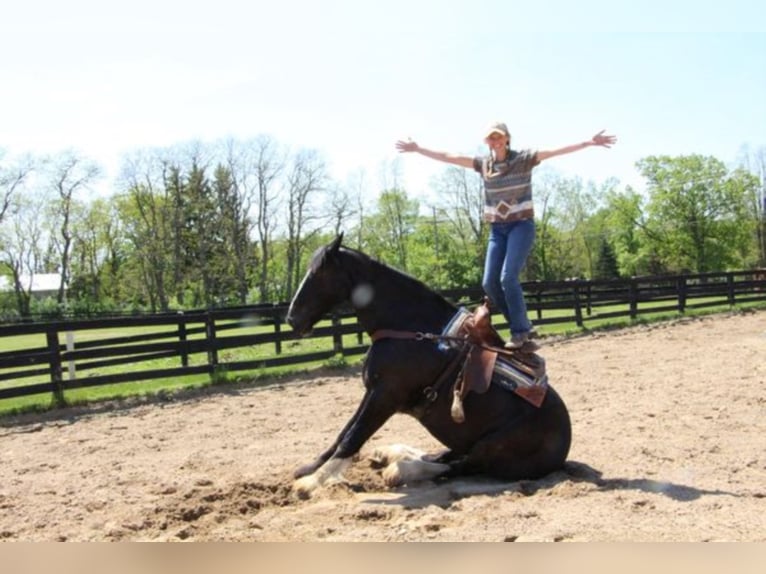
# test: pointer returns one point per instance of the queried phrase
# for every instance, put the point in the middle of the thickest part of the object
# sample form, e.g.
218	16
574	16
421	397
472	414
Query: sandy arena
669	444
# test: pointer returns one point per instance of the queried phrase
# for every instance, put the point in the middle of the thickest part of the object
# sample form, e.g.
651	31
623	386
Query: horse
503	436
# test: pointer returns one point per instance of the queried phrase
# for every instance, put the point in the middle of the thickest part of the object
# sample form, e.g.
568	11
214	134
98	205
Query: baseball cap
497	128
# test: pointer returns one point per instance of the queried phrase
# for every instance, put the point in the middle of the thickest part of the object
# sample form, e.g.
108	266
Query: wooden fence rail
71	354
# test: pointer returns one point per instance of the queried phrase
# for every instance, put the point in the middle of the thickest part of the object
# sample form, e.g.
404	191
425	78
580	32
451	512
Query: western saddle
484	346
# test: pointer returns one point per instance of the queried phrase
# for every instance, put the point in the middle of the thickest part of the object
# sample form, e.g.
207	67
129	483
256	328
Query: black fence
72	354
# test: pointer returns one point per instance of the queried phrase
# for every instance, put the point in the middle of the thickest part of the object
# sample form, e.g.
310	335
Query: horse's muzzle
300	327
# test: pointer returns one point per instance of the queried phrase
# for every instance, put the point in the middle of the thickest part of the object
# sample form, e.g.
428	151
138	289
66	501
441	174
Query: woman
508	208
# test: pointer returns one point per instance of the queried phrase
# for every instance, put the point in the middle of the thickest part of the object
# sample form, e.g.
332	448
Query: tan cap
497	128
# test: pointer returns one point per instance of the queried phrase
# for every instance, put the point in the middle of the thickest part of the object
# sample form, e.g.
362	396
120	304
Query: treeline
234	222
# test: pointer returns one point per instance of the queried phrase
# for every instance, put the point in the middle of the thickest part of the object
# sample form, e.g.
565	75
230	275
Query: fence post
337	337
212	347
577	306
70	362
633	297
681	289
539	300
730	288
55	365
182	339
277	331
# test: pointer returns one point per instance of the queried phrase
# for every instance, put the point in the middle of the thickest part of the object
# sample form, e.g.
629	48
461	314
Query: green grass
148	388
224	376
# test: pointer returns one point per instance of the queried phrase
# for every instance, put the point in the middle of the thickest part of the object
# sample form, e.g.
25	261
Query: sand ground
669	437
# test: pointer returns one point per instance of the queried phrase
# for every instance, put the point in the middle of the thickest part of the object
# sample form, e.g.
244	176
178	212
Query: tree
627	232
261	165
237	190
755	163
237	251
98	254
151	222
357	184
697	212
554	251
606	262
391	227
21	238
340	208
201	240
69	174
307	175
461	249
12	178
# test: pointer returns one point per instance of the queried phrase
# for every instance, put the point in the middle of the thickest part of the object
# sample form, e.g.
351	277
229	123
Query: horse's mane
373	268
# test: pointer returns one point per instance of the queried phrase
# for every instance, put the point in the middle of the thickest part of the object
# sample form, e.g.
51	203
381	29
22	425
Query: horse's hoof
304	487
392	475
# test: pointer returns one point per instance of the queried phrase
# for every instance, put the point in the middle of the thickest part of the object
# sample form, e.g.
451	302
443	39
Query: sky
349	78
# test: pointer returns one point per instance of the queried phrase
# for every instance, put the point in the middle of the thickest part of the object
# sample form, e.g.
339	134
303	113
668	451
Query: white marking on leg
409	471
330	472
385	455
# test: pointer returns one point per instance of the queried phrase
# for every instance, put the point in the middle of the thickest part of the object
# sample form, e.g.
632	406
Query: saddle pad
509	377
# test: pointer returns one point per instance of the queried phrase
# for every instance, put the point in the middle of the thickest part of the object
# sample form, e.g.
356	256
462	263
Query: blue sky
350	77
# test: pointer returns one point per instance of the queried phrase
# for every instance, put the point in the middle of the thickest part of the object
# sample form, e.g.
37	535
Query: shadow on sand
448	491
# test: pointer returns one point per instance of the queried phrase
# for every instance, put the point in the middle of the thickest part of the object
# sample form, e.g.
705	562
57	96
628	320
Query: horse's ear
335	245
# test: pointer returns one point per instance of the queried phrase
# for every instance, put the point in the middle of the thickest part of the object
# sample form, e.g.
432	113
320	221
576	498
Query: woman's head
498	138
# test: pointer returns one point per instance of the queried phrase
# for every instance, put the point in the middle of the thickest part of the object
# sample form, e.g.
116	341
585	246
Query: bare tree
341	207
260	166
460	203
68	174
12	177
254	167
307	175
357	184
390	174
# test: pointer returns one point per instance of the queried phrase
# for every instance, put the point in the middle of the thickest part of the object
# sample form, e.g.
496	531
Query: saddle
525	369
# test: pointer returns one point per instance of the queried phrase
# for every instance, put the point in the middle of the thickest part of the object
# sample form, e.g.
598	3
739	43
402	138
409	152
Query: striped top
508	186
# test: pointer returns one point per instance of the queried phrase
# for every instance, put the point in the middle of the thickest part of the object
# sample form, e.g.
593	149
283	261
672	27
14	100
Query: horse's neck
400	302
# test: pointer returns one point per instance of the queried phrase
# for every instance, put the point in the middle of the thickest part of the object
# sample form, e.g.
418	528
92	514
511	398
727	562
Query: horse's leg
322	458
409	471
385	455
405	464
376	408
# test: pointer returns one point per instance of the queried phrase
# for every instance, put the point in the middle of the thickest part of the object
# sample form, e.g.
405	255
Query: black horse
503	435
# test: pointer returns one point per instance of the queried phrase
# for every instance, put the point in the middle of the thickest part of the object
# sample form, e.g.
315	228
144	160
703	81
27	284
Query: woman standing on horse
508	208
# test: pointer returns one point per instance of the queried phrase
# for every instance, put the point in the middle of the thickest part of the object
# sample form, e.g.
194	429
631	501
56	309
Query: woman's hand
604	141
405	146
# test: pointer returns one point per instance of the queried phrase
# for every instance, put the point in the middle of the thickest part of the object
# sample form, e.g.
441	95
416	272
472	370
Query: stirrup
528	346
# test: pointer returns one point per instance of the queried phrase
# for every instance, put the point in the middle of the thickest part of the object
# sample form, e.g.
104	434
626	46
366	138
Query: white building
43	284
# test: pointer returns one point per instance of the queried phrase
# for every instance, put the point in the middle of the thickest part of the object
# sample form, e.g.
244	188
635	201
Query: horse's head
325	284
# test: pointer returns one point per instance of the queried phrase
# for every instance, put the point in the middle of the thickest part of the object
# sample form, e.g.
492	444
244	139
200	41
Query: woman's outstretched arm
411	146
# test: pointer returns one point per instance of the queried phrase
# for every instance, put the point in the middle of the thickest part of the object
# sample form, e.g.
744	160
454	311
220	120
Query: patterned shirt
507	186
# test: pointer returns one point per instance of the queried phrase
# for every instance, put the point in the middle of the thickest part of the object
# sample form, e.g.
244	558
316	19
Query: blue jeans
507	252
